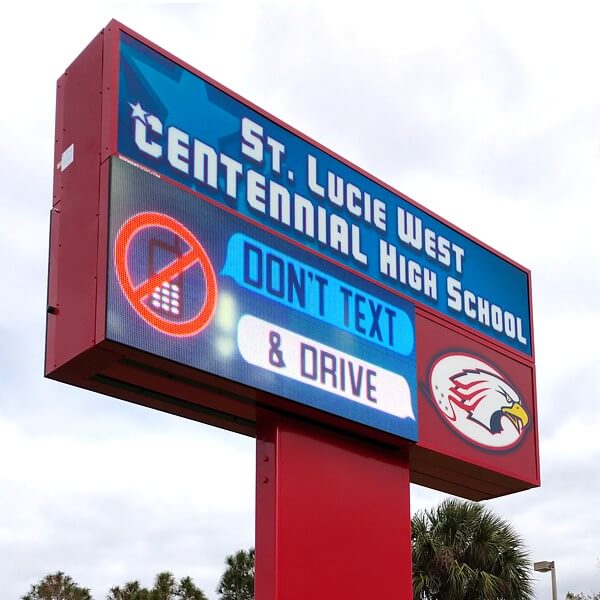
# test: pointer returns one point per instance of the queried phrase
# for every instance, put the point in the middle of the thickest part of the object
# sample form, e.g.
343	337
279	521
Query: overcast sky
488	116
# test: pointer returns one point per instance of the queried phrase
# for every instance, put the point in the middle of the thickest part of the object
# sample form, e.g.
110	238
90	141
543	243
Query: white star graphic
137	112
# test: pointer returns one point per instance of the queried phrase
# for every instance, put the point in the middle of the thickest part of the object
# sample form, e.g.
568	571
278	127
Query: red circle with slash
137	294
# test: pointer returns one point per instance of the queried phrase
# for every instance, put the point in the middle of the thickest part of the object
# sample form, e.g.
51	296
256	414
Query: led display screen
189	282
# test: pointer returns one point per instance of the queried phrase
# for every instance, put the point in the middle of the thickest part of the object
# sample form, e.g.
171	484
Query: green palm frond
462	551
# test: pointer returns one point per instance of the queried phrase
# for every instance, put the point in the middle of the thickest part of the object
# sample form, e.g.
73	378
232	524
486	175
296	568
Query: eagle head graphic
478	401
487	398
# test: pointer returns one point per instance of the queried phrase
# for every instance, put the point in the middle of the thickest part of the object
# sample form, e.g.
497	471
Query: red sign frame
78	352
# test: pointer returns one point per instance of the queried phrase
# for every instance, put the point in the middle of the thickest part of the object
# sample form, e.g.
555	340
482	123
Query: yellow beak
516	413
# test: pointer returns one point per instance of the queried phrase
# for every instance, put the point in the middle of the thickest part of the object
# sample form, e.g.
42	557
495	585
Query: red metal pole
332	515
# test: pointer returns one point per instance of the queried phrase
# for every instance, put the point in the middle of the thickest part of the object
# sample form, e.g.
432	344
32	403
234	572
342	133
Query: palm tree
462	551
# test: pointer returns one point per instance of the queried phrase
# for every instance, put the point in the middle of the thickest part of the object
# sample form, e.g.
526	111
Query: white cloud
126	507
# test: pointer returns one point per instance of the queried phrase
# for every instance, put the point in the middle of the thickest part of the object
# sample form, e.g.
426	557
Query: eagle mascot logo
477	401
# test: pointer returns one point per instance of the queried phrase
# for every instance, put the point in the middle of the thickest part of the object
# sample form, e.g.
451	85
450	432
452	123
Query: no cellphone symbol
138	295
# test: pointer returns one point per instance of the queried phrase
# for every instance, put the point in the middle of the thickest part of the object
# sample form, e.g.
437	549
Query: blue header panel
179	125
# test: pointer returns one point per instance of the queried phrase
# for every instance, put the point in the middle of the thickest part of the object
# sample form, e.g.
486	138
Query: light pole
543	567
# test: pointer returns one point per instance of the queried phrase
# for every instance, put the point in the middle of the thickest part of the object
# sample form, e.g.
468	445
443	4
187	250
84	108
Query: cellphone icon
166	298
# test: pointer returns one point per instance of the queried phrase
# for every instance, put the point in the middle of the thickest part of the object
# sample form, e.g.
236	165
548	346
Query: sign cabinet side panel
73	262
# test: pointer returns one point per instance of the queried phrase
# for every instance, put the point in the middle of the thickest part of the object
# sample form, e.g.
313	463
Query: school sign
210	261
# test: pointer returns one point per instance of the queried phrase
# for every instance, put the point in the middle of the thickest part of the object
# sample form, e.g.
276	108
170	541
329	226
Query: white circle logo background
472	416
